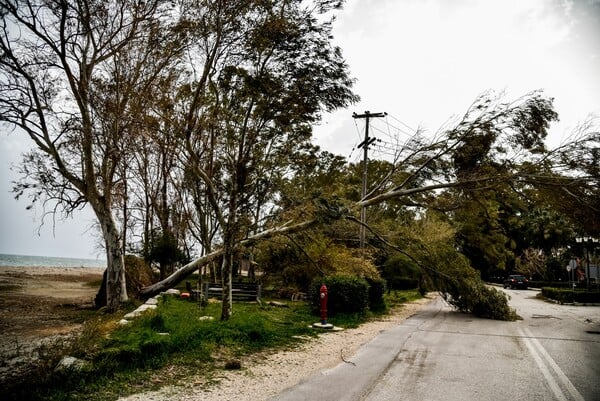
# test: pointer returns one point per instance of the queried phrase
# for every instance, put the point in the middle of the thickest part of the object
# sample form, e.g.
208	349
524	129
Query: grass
168	345
397	298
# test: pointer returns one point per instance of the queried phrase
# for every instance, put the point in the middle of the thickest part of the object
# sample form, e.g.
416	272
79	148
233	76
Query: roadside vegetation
213	171
168	346
572	295
217	156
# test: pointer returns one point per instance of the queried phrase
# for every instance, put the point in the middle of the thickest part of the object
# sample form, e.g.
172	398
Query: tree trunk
229	246
251	268
116	289
227	306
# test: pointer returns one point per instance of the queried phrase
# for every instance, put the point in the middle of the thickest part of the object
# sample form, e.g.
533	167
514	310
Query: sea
48	261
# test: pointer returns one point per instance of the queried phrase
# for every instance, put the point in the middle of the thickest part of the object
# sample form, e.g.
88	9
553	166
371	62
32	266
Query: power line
403	123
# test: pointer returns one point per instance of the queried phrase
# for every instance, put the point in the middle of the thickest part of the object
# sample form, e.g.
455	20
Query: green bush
404	283
376	293
400	272
471	295
564	295
345	294
491	304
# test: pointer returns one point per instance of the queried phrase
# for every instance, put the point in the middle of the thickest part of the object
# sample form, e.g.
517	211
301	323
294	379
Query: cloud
426	60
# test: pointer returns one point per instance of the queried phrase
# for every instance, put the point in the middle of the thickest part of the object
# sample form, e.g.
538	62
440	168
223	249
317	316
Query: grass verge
166	346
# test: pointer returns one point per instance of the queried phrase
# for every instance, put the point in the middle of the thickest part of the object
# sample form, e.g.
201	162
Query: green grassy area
396	298
169	344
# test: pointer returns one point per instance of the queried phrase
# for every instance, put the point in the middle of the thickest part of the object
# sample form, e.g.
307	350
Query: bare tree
71	78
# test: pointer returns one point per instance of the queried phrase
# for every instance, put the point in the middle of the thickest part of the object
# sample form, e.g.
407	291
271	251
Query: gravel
266	374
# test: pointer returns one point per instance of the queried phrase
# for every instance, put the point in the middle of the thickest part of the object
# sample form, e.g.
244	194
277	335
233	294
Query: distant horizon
16	261
49	256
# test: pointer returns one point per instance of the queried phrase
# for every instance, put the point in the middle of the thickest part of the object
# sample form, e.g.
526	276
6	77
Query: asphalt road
439	354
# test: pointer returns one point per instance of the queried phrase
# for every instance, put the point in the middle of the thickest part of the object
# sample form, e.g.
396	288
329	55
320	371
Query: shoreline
38	305
69	284
50	270
42	262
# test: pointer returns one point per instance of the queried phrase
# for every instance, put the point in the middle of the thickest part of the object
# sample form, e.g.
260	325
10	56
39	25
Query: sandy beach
36	302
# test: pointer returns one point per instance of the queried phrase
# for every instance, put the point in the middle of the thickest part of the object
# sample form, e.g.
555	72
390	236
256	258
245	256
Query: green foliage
448	271
346	294
471	295
296	263
124	358
491	303
377	288
555	270
163	248
404	283
564	295
483	224
400	272
547	229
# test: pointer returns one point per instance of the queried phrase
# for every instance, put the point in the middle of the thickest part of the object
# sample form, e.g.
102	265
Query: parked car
516	281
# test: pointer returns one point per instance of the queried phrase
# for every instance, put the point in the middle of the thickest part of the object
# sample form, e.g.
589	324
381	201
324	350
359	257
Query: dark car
516	281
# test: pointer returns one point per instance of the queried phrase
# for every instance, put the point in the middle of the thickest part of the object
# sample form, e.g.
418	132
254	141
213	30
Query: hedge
345	294
551	284
564	295
376	292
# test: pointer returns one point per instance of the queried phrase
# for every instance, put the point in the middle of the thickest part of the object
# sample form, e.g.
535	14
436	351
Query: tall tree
71	75
267	73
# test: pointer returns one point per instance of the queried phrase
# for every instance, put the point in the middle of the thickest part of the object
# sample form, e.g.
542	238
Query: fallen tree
512	133
188	269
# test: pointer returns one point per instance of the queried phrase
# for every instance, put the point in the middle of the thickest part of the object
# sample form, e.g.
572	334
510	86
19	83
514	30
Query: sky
421	61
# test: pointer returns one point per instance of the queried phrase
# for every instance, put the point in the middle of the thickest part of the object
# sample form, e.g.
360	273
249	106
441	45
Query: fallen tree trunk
188	269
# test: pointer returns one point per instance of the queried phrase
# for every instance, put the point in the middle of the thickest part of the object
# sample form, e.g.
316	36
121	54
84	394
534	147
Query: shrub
563	295
404	283
346	294
297	263
376	293
554	284
492	304
401	273
471	295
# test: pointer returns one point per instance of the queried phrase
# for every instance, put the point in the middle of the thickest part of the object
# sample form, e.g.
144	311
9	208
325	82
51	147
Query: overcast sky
421	61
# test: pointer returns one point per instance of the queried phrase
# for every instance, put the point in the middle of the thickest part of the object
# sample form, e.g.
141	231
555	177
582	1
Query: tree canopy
187	127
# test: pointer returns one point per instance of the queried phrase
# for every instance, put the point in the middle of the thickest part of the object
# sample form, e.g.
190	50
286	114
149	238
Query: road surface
439	354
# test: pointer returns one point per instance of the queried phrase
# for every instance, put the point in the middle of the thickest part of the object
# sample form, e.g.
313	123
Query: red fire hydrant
323	296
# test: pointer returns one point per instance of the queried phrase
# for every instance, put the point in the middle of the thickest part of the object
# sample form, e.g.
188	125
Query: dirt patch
38	302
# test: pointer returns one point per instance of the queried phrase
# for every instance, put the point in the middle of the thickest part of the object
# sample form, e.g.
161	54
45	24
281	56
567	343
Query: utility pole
365	145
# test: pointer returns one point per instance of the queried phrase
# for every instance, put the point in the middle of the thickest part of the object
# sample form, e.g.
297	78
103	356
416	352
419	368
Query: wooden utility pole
365	145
